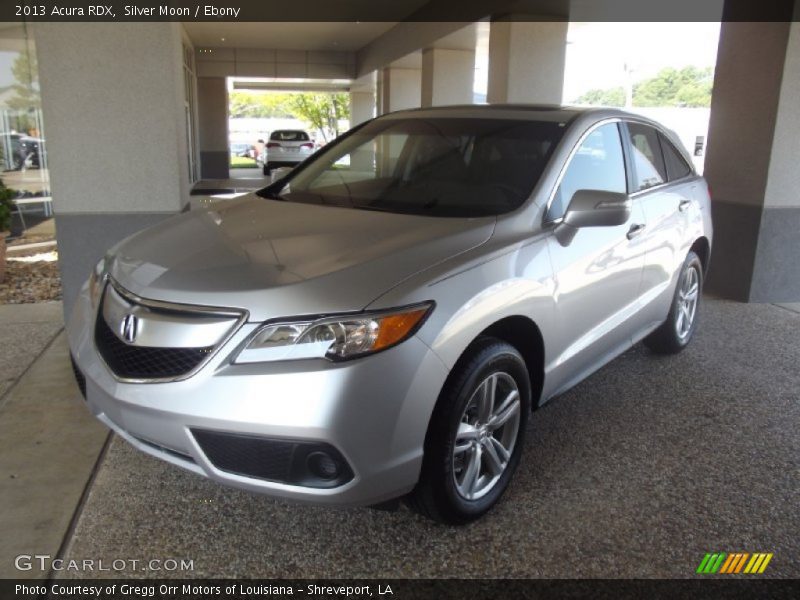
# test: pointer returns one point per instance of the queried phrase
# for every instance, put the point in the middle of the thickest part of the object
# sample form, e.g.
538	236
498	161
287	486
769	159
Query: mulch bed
30	282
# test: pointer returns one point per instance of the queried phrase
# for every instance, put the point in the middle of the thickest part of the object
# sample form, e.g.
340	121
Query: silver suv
382	321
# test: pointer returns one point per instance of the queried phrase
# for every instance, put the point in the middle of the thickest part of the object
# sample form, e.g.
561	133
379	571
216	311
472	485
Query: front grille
79	378
284	461
140	362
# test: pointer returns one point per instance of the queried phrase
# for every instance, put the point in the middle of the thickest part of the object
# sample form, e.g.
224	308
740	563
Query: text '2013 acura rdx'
382	321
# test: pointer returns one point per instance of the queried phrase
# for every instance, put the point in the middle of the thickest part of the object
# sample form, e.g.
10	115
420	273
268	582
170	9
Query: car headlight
96	281
335	338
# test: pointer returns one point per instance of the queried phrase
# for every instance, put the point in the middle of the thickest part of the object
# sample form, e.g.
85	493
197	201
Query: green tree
610	97
258	104
26	82
26	98
321	111
689	86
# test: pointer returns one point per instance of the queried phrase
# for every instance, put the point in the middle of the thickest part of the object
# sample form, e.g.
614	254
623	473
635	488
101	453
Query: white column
362	107
212	106
447	76
526	61
114	111
751	162
399	88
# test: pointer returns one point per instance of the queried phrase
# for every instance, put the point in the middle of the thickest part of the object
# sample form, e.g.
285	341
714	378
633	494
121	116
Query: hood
279	259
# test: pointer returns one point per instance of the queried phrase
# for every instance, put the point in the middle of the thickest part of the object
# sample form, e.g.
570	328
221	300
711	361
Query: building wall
113	95
257	62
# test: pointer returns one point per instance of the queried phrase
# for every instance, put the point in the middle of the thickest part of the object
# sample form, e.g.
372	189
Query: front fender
515	282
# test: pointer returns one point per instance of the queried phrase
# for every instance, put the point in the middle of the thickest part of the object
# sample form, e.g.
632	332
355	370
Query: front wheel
677	331
475	437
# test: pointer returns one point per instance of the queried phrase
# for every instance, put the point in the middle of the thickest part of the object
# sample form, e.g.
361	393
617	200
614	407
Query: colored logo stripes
734	562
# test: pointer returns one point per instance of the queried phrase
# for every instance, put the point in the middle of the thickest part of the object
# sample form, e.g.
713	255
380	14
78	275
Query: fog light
323	465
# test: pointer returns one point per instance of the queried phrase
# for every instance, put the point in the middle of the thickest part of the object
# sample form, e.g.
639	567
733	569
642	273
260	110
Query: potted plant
6	206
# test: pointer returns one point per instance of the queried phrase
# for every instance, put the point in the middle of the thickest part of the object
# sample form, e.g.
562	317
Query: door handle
683	205
635	230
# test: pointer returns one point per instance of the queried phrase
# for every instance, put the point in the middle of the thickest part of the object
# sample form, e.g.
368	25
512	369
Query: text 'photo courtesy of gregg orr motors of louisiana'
399	300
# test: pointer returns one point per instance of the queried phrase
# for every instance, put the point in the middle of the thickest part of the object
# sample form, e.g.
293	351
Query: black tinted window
597	164
648	162
676	165
289	136
454	167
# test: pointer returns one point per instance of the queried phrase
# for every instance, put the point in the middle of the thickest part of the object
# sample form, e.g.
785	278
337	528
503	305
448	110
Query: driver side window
598	164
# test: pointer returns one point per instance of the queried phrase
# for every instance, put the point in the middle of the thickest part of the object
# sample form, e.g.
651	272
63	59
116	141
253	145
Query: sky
598	52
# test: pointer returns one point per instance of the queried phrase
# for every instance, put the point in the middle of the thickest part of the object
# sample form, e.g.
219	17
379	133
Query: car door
598	272
663	187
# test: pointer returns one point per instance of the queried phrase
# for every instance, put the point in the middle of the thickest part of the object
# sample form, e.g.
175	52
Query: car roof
543	112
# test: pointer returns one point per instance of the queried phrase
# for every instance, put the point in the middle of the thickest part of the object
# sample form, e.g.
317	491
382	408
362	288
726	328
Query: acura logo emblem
130	328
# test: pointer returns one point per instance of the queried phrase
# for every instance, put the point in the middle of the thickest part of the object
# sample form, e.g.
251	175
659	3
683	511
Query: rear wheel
475	436
677	331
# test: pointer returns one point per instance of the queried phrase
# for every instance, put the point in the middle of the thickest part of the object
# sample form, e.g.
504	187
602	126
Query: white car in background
287	148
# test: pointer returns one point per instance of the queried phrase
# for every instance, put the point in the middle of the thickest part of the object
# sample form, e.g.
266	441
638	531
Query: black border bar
391	11
729	587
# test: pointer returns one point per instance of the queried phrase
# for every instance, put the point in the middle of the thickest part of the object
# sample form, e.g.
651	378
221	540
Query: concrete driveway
637	472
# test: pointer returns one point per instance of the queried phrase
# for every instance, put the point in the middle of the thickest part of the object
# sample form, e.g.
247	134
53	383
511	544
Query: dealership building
135	114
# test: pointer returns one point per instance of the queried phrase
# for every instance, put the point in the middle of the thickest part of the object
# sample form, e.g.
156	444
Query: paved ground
25	331
49	444
637	472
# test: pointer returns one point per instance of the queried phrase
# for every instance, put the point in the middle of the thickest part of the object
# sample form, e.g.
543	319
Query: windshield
453	167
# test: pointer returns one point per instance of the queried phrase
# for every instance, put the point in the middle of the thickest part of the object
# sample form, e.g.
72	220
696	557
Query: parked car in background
241	149
287	148
22	151
382	321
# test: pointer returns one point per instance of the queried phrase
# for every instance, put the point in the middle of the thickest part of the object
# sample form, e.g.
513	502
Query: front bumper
374	411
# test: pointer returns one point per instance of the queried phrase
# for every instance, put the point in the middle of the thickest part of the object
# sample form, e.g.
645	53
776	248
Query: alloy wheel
486	435
688	295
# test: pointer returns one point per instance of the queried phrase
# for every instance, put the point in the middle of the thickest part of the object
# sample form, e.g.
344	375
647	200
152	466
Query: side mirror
597	208
593	208
279	173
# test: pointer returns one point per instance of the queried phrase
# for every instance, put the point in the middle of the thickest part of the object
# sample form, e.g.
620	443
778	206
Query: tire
674	335
266	170
446	492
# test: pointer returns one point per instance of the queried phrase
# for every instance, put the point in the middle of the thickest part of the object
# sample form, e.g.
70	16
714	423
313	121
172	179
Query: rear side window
598	164
289	136
676	165
648	161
